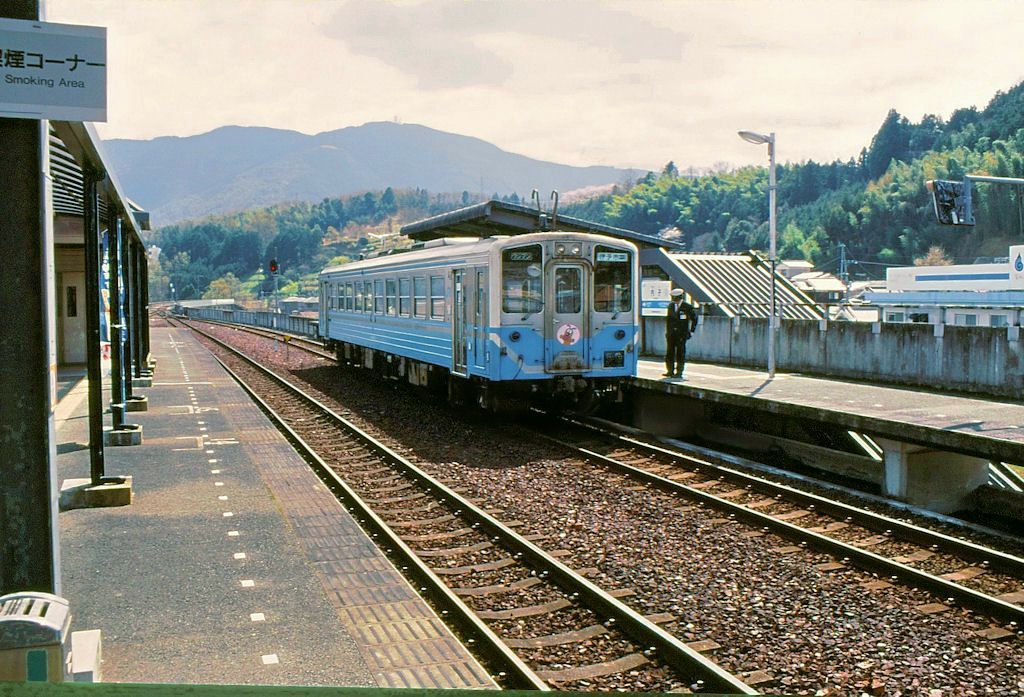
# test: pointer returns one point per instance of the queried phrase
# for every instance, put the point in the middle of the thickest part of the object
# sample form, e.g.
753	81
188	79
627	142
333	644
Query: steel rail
314	347
674	652
993	559
516	673
860	557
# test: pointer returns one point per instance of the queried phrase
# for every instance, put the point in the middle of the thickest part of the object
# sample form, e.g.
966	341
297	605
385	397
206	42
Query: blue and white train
504	321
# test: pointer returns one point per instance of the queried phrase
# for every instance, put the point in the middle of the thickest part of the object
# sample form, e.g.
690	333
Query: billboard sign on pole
52	71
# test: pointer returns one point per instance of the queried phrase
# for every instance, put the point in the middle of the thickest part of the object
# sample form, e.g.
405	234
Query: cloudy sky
581	82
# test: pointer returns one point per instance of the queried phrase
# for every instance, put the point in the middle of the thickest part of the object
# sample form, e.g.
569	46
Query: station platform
972	425
234	564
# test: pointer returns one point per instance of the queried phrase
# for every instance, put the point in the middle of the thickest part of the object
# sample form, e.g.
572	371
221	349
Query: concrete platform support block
933	479
80	493
142	382
128	434
86	655
136	403
666	415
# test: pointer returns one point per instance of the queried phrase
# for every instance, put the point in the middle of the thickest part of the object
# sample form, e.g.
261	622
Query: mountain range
235	168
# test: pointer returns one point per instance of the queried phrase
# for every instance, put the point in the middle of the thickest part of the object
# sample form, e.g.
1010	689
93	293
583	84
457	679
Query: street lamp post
760	139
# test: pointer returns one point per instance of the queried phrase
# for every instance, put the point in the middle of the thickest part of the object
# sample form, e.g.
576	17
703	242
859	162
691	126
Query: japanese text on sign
53	71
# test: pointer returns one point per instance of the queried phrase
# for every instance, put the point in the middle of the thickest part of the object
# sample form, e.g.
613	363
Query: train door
72	317
460	312
324	328
480	319
565	345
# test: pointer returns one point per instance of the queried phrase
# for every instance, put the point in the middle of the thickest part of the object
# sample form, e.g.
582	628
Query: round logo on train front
568	334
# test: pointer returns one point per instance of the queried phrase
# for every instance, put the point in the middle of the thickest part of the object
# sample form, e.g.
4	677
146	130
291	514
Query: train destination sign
52	71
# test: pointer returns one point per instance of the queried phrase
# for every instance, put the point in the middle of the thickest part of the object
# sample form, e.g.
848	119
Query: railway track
986	580
284	339
910	625
541	622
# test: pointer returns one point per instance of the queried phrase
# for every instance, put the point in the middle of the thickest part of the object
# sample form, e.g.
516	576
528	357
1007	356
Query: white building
983	295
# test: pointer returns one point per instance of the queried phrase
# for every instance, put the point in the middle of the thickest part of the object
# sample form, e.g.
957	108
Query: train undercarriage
567	393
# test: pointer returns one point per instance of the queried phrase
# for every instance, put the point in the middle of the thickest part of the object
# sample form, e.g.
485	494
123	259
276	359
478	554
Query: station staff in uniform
681	321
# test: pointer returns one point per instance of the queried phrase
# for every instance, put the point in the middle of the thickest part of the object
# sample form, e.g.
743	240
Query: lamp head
755	138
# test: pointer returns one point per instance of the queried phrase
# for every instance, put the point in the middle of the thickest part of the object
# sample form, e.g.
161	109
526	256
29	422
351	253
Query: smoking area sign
52	71
654	298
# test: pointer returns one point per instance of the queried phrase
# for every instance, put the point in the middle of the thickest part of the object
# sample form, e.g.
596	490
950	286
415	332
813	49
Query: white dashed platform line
257	617
248	583
228	514
222	498
233	533
239	555
270	659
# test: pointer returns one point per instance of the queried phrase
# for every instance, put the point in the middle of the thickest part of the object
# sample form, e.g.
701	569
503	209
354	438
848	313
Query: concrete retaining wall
985	360
303	326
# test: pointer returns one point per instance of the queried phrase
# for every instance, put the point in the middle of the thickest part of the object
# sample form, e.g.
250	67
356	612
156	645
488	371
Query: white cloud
625	83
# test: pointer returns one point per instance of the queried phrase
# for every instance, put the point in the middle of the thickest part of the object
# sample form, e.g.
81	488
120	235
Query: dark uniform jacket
682	320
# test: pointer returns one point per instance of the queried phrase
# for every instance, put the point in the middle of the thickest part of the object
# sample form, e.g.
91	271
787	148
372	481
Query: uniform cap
677	293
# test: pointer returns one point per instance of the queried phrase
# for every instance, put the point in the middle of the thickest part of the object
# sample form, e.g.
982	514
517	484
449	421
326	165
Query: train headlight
576	250
620	333
560	249
514	336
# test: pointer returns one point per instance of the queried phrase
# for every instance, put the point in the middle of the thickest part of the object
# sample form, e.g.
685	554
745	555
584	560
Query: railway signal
952	201
274	268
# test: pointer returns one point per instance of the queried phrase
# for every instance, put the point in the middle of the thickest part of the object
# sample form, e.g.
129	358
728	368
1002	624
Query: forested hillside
227	256
875	204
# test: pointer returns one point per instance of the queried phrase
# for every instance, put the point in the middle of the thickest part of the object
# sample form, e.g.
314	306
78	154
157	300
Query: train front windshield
612	283
522	280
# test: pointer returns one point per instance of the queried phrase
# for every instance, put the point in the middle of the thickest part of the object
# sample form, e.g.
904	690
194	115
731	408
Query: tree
388	204
936	256
227	286
892	142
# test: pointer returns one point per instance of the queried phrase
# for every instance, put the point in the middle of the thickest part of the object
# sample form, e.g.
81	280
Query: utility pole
844	275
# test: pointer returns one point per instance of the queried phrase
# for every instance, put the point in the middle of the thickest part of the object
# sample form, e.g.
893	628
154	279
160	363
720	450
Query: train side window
404	297
378	297
359	296
522	281
391	306
612	283
349	297
419	296
437	297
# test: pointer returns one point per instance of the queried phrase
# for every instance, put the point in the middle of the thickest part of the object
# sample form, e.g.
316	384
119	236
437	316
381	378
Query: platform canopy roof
73	147
733	284
493	218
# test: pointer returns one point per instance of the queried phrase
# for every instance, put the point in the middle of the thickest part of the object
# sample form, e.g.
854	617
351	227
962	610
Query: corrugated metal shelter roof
492	218
818	282
72	143
734	285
